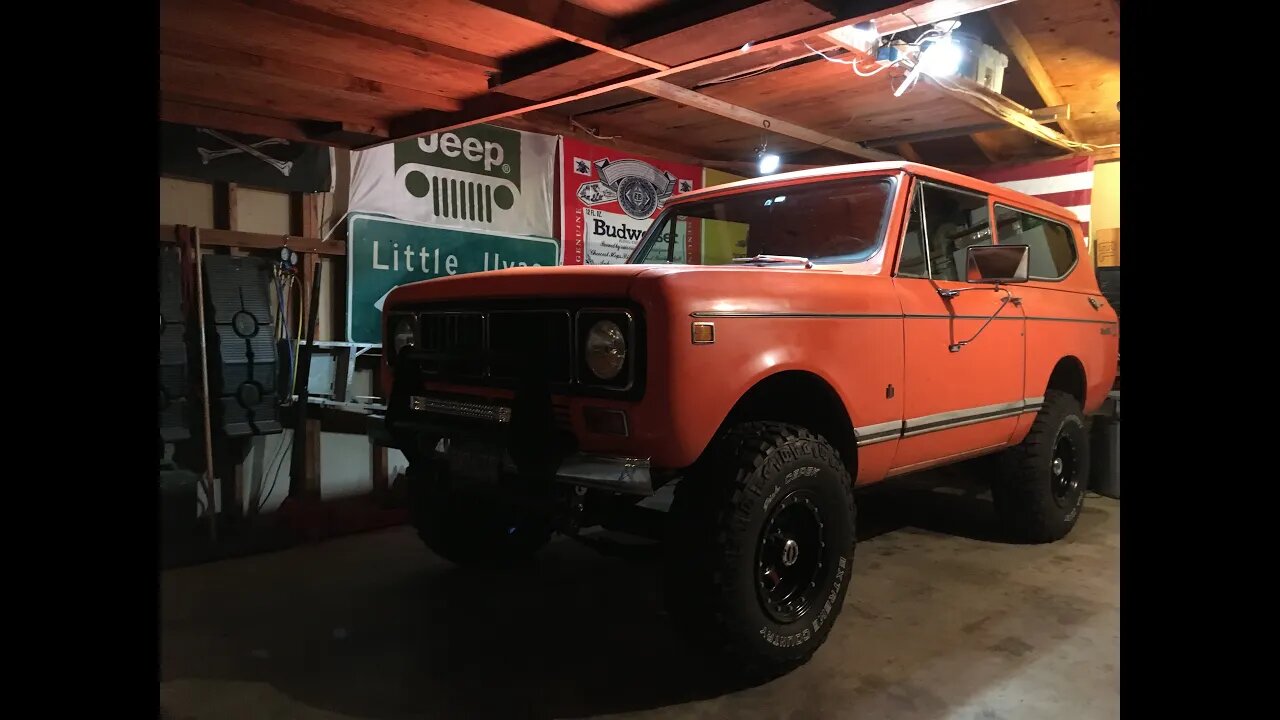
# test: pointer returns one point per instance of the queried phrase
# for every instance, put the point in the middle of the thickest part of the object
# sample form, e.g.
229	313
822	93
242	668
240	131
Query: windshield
826	222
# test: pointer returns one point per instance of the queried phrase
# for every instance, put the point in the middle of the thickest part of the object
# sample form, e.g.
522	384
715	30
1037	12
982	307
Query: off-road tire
467	528
718	519
1031	504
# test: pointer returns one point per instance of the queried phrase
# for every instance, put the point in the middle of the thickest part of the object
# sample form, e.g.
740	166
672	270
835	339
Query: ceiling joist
1027	58
1004	109
434	121
572	23
306	14
675	93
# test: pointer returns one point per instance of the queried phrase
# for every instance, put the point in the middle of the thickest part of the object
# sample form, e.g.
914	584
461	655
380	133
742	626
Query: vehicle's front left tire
467	527
760	547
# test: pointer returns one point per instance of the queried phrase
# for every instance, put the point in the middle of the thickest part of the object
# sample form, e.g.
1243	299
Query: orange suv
770	345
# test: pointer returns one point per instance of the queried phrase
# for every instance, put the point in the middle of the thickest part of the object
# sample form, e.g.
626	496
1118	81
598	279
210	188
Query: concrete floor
942	621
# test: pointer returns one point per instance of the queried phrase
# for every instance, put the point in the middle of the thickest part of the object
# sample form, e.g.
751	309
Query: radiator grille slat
507	345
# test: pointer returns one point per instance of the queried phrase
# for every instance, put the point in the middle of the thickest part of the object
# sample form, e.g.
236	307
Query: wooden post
311	460
204	391
224	206
304	472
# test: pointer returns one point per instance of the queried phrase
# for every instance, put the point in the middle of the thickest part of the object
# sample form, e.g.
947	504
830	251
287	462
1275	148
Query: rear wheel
474	527
761	543
1040	490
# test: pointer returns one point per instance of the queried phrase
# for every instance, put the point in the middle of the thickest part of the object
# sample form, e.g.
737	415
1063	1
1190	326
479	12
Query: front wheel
1040	489
761	547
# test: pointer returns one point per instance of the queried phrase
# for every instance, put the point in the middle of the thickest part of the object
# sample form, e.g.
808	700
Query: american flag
1067	182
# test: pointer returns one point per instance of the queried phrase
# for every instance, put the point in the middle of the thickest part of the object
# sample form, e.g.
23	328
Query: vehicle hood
522	282
594	281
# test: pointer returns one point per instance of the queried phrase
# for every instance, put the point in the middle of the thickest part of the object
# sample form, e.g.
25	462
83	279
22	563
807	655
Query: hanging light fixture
767	162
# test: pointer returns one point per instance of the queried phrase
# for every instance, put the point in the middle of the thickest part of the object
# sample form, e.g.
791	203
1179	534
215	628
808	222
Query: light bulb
941	58
769	163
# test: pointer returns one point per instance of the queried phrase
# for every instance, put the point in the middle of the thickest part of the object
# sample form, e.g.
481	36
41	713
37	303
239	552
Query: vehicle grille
453	343
502	345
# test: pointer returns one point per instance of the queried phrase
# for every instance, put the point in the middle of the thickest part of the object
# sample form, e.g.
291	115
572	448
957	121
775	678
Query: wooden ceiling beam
766	123
988	146
424	123
351	26
346	134
1003	109
936	134
550	123
1026	57
650	36
572	23
188	47
908	152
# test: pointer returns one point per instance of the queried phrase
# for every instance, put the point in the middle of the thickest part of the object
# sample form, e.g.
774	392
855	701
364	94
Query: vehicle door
964	343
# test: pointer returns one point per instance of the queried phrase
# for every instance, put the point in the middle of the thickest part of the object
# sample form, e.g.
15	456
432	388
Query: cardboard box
1107	243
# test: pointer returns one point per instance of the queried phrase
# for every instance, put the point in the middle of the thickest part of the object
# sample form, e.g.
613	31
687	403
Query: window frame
1075	250
894	181
917	190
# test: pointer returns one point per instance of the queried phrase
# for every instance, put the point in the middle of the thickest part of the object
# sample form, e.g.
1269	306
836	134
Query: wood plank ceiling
356	73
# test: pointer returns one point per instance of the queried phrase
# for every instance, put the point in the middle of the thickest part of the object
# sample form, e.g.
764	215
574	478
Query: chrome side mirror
997	263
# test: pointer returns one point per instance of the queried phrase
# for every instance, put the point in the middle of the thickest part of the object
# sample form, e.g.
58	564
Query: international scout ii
771	345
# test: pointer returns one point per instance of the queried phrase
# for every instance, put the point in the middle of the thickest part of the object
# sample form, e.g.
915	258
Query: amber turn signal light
704	333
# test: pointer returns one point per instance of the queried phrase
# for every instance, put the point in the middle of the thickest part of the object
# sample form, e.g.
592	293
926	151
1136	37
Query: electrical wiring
744	75
854	63
825	56
591	132
915	73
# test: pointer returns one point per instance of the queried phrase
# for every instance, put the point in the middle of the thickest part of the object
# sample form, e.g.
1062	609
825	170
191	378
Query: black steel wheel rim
790	557
1064	468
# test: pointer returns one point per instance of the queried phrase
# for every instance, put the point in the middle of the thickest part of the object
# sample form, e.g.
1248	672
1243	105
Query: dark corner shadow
580	633
577	634
953	500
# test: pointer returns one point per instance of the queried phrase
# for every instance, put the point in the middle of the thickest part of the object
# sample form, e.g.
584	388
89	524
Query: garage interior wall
1104	203
1106	196
345	462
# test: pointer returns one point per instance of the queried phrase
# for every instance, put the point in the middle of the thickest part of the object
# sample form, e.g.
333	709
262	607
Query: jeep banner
610	197
481	177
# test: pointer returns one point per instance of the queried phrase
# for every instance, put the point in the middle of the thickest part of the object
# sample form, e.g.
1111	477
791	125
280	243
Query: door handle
1094	302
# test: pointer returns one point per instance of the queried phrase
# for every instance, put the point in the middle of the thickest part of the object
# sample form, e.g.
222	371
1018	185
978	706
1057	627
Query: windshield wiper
773	260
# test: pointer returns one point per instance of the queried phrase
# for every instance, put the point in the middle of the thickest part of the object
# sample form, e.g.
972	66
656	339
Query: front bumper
615	473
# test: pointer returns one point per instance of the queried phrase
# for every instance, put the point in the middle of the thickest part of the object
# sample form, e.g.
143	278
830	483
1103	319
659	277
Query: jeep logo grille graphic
464	200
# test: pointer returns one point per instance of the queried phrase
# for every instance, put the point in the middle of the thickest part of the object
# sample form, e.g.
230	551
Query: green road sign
383	253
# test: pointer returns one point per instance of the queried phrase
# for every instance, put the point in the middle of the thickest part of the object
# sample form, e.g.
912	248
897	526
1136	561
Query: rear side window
1052	251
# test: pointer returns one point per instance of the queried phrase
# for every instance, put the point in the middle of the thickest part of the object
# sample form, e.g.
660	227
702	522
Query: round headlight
606	350
402	334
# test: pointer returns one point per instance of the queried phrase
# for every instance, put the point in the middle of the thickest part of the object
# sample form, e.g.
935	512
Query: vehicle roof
927	171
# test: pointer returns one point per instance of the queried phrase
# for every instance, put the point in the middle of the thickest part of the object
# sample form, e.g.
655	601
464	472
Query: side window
1052	249
954	221
913	263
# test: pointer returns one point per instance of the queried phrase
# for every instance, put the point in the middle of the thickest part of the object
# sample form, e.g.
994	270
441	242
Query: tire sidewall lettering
792	467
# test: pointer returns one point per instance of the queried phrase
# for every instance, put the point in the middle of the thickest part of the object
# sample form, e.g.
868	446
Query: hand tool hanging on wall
204	395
